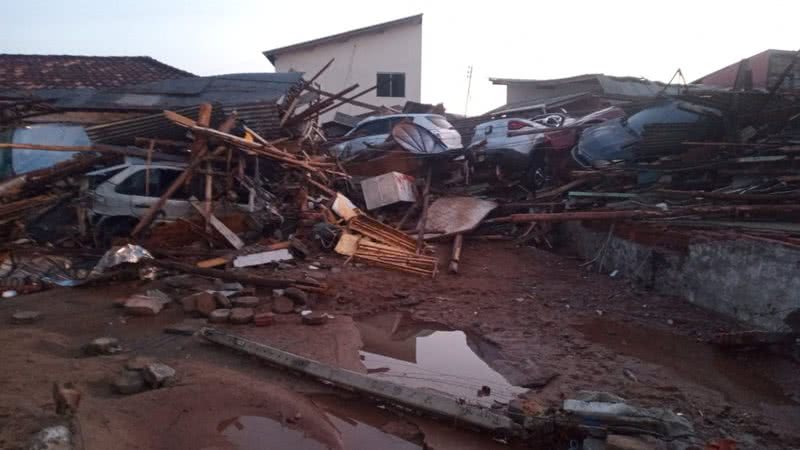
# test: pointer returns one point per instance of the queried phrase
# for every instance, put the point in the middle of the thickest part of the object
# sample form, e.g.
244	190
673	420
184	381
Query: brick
102	346
264	319
241	316
282	305
205	303
158	374
141	305
129	382
26	317
221	315
246	302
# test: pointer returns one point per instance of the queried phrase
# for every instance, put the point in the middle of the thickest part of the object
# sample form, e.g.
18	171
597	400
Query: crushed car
120	195
373	131
532	149
621	138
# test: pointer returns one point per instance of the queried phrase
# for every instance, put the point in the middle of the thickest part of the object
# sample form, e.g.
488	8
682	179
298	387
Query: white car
499	143
125	193
492	145
375	130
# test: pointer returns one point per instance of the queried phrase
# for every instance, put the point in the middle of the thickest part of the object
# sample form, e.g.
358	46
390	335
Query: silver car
375	130
124	193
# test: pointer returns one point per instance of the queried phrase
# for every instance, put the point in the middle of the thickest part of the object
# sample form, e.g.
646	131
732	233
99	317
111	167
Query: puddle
699	362
259	432
428	356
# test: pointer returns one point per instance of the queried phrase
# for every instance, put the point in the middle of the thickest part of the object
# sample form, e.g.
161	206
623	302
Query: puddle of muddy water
429	356
696	361
258	432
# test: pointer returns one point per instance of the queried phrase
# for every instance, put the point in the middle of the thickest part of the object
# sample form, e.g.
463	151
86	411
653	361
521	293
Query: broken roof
761	65
608	85
381	27
27	72
230	89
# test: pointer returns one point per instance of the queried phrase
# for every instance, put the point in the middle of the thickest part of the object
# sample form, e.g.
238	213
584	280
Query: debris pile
222	215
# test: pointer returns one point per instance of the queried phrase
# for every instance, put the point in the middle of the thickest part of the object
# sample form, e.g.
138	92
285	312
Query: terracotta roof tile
67	71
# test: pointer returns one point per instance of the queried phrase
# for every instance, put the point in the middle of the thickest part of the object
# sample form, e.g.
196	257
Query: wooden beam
244	278
423	216
314	109
226	232
455	256
357	103
99	148
199	150
349	99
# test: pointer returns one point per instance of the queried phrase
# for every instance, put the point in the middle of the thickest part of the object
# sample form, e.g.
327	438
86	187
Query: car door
373	132
143	191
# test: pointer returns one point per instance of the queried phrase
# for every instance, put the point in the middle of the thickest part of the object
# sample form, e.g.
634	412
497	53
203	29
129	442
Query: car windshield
671	112
441	122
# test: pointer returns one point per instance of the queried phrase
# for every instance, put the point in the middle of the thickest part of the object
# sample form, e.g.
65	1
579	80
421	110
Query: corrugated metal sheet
264	118
124	132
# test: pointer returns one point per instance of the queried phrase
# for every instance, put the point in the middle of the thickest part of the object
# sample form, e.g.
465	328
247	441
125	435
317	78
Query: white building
388	55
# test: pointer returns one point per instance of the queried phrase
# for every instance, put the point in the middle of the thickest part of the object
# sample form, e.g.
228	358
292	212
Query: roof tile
68	71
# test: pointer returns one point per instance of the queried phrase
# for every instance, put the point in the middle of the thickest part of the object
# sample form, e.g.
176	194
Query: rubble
158	375
57	437
25	317
241	316
205	303
67	398
102	346
264	319
219	315
142	305
282	305
129	382
246	302
313	318
237	205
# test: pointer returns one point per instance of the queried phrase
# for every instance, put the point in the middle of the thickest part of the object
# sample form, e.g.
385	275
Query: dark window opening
391	85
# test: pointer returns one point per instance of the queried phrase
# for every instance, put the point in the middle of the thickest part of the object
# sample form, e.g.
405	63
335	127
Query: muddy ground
534	317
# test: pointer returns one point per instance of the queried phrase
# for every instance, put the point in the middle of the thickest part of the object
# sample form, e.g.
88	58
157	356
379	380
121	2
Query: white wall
358	60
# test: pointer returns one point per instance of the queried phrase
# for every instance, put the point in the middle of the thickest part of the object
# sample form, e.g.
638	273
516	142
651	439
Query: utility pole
469	85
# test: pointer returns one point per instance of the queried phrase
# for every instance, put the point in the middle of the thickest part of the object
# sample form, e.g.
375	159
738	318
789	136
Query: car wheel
536	173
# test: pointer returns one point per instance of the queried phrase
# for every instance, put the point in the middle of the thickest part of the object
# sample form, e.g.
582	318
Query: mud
513	317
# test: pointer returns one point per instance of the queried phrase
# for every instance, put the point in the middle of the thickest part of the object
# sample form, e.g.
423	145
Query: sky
504	39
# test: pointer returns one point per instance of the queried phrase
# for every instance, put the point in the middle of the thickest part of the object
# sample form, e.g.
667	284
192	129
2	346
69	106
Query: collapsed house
231	179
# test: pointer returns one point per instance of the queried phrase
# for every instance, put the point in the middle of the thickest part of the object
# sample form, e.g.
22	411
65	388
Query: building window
391	85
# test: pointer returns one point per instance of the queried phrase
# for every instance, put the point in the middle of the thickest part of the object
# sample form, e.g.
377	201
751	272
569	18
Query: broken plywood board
257	259
454	215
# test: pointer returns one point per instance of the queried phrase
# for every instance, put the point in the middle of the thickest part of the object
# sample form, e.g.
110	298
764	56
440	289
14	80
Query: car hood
610	140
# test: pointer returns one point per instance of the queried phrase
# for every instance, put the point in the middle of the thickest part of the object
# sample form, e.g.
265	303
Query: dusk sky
500	39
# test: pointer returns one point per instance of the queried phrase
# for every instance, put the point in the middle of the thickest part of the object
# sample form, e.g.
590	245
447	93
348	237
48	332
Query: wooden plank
226	232
199	150
455	257
244	278
357	103
348	99
213	262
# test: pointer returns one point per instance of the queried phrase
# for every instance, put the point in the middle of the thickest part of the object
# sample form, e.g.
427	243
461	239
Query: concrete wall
517	92
359	59
753	281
